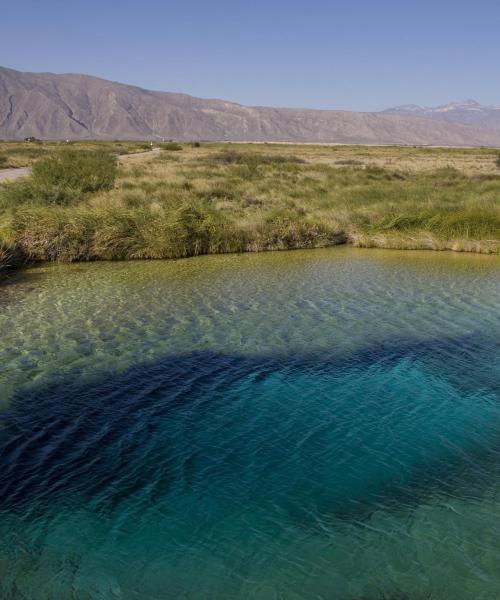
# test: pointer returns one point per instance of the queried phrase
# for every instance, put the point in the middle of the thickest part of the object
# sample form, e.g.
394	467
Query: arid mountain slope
51	106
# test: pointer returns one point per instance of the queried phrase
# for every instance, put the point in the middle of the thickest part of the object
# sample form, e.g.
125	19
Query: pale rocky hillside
49	106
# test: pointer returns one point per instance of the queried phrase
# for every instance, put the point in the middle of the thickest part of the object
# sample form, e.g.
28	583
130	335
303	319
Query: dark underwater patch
100	443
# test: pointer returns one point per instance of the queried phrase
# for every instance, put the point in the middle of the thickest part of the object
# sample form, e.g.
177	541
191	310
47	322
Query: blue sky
359	55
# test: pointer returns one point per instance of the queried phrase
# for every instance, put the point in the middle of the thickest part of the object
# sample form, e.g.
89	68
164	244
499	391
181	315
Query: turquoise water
318	424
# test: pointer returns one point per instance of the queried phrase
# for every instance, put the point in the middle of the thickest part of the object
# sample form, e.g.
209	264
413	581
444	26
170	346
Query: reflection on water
320	424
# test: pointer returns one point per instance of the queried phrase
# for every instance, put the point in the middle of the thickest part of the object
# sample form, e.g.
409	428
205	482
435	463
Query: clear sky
359	55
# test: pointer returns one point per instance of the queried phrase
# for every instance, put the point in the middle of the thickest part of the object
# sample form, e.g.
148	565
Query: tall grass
75	234
234	157
24	154
63	179
170	146
217	199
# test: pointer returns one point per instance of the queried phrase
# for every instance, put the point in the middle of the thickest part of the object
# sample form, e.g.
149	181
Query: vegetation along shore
81	203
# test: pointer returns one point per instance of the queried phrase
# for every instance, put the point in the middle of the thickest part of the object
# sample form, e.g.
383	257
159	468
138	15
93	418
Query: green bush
349	162
497	161
232	157
4	161
62	179
80	170
285	230
171	146
199	229
16	193
83	233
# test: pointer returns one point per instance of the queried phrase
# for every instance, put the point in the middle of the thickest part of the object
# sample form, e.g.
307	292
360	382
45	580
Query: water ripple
356	457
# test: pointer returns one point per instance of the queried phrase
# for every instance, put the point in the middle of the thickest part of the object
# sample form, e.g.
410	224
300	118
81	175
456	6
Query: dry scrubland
210	198
25	154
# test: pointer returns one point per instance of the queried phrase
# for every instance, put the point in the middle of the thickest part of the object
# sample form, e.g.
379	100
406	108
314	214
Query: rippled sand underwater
318	424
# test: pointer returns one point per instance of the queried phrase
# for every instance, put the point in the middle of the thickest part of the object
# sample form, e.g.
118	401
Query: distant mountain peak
468	112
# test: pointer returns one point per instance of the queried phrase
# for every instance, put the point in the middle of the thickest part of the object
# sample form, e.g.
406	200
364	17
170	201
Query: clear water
319	424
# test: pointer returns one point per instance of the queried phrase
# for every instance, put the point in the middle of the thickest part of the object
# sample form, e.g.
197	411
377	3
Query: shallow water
319	424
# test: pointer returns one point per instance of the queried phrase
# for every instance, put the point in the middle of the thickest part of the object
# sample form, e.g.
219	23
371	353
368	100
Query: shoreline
188	200
368	242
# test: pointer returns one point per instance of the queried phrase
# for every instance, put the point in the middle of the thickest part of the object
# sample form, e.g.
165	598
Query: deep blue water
369	473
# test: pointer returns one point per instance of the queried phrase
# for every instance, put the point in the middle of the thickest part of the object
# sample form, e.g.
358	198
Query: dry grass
251	197
471	161
25	154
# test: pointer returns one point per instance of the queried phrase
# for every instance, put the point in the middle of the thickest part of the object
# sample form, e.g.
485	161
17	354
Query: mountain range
70	106
468	112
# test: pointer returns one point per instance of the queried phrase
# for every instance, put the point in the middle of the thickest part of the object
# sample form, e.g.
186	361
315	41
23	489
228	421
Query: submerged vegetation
79	204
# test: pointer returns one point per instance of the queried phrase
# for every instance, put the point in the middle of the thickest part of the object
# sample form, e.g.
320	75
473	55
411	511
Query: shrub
16	193
470	223
220	190
82	233
63	179
497	161
80	170
196	228
171	146
4	161
349	162
269	159
232	157
55	234
285	230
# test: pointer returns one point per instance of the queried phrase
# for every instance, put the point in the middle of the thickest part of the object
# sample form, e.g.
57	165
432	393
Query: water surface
319	424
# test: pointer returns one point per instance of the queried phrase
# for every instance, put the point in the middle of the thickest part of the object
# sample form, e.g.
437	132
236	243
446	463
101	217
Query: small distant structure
32	138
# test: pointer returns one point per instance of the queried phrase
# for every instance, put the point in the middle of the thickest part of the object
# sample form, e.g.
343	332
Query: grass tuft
62	179
232	157
171	146
216	199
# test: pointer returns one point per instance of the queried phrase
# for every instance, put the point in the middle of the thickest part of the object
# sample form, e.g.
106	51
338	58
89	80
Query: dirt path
11	174
148	154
